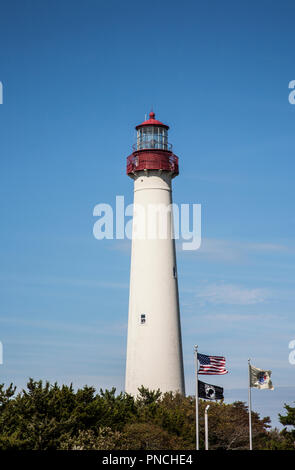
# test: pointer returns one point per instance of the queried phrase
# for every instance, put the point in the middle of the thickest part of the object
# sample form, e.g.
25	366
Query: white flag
260	378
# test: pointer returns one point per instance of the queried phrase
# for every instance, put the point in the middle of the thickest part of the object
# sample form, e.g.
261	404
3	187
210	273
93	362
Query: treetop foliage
47	416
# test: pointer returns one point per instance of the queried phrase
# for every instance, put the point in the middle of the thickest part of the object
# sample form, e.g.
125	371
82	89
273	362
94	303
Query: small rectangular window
142	319
174	272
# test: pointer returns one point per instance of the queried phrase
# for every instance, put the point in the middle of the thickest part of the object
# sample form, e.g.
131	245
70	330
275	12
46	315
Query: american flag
211	365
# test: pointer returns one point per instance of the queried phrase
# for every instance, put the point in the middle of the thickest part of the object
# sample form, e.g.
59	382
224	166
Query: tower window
174	272
142	319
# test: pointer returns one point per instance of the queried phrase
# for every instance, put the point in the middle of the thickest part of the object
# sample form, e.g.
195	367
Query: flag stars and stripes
211	365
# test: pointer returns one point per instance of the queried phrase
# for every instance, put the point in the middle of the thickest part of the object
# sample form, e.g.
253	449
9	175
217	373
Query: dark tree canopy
47	416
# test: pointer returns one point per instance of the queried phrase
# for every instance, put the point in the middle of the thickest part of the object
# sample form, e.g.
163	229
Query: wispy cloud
237	317
101	329
44	281
234	251
221	293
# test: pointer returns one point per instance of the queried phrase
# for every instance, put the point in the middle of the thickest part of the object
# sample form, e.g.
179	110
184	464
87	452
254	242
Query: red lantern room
152	150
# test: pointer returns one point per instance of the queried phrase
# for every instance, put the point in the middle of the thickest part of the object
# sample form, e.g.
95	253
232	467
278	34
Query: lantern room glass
152	137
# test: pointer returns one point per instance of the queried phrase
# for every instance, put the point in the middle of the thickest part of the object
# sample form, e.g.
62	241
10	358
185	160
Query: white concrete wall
154	349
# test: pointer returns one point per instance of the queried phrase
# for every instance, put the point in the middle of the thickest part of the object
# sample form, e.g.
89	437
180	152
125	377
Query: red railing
156	160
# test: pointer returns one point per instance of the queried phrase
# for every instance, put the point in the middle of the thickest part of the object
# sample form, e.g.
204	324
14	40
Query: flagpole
206	427
197	397
250	407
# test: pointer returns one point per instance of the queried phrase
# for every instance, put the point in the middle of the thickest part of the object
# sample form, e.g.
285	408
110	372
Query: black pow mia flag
210	392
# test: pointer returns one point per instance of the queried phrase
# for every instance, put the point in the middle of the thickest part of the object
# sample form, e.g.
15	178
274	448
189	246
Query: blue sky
77	77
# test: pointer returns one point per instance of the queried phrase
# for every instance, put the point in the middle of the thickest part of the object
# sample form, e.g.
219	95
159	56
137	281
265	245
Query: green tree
288	420
45	417
104	439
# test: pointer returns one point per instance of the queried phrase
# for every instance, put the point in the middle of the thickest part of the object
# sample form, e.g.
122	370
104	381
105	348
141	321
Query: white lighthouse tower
154	349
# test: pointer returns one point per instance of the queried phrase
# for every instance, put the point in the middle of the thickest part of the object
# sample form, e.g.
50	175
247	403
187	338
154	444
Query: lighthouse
154	349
